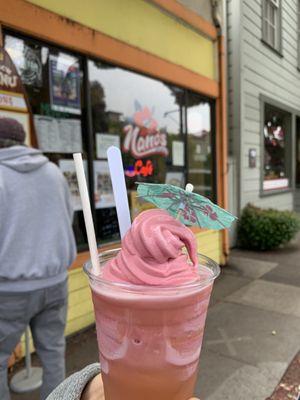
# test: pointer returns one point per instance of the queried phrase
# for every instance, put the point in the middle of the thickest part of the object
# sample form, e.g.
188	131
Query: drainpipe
222	111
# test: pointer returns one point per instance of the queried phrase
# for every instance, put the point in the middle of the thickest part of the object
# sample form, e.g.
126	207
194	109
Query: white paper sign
58	135
103	192
273	184
104	141
178	153
67	167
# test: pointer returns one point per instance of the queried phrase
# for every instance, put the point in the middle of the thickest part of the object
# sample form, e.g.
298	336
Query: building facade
147	76
264	103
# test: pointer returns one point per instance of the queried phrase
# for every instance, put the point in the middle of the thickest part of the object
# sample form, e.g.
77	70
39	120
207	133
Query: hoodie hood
21	158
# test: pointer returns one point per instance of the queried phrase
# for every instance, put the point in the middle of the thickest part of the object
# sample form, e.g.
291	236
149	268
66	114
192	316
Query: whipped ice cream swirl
152	253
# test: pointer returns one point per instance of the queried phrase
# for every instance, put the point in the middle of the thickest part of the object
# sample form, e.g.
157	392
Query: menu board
58	135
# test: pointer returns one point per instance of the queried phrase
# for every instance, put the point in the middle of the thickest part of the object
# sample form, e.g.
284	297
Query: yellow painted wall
143	25
80	312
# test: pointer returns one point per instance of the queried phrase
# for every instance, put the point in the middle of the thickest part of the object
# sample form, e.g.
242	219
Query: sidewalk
253	325
252	330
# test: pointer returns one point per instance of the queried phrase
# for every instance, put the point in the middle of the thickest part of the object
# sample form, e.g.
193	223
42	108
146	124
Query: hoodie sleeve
2	202
68	199
72	387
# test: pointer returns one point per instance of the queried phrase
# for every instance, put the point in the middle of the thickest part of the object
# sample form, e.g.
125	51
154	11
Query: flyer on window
67	167
104	197
64	84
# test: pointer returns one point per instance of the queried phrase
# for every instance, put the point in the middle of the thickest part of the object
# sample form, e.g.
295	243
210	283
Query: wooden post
222	137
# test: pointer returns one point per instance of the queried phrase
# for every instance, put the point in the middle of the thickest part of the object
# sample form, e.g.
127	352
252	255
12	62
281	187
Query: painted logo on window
143	137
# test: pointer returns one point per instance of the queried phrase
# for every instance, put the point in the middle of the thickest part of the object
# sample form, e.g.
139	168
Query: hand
94	390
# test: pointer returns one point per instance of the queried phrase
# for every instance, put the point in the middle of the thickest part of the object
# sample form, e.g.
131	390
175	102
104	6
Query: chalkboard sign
107	224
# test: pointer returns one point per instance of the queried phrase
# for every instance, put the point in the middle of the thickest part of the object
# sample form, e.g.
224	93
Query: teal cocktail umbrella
183	204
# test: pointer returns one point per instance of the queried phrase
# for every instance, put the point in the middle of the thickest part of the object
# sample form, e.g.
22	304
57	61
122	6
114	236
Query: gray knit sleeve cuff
72	387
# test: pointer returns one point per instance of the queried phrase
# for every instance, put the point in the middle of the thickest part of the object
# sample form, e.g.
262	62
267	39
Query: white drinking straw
86	206
119	188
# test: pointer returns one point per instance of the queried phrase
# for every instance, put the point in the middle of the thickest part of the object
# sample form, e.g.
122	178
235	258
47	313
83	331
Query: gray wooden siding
263	72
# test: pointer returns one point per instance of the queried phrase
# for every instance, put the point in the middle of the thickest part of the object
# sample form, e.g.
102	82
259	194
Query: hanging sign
143	138
12	95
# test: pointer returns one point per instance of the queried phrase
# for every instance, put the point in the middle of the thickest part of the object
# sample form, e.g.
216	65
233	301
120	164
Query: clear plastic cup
150	337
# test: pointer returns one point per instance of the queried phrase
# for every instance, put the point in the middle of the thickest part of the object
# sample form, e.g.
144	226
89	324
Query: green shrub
265	229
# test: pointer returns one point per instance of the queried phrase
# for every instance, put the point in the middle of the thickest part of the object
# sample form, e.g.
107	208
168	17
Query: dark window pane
277	131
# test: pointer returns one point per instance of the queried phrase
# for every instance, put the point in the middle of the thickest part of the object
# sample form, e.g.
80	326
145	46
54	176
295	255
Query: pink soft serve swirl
152	253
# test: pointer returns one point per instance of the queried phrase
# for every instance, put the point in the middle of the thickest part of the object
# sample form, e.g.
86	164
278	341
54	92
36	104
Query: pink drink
150	303
150	337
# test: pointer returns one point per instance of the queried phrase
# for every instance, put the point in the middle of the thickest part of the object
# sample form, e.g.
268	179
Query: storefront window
53	83
277	133
165	133
142	116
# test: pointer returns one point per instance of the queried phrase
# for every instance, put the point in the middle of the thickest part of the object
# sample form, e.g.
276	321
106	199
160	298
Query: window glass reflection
200	160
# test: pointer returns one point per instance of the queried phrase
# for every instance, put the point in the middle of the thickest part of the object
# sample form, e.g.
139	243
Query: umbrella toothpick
189	188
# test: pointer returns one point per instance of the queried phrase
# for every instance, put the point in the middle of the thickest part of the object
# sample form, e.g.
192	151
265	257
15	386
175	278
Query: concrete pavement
253	325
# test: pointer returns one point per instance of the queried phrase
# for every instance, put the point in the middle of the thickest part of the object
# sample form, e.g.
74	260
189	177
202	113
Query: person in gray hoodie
37	246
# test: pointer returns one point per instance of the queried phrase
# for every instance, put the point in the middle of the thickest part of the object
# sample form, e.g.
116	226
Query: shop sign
273	184
143	138
140	169
11	88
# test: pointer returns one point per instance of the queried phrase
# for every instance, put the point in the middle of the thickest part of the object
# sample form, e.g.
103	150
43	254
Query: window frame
277	47
264	100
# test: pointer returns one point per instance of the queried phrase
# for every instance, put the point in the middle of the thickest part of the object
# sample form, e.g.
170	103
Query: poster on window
31	70
58	135
103	191
64	84
67	167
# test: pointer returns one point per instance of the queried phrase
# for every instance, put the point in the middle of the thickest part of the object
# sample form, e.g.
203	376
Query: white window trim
266	24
